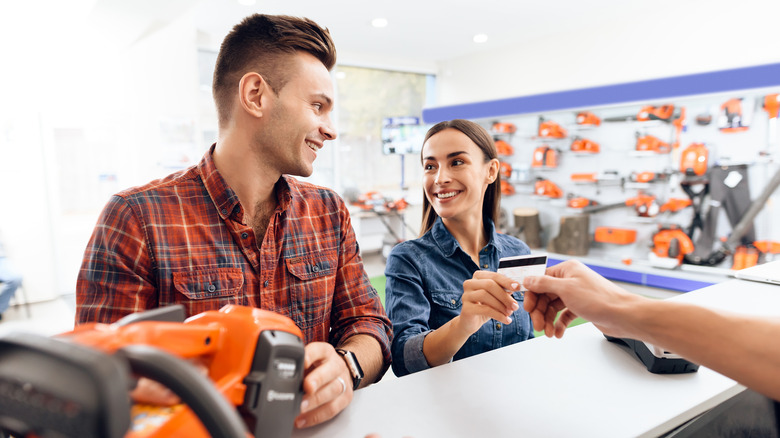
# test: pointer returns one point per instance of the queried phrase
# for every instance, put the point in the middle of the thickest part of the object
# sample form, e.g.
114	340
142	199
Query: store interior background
97	96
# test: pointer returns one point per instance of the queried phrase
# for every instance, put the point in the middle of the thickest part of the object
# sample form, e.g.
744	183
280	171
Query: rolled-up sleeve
408	309
357	308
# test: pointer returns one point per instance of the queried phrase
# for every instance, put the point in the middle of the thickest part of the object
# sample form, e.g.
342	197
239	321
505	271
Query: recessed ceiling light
247	2
480	38
379	22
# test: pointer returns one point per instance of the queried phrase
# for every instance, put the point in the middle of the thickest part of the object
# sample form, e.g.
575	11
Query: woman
444	298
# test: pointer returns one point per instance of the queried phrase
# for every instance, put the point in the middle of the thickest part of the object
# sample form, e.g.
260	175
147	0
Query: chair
15	299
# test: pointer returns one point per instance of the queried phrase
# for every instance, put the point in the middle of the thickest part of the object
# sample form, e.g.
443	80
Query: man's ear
252	89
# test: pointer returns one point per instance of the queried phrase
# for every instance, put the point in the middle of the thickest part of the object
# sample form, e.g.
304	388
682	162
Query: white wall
663	39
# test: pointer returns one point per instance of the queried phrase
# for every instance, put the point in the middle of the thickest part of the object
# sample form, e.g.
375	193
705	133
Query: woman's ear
493	167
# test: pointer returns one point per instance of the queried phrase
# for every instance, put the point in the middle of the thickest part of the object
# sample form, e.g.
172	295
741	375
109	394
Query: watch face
353	365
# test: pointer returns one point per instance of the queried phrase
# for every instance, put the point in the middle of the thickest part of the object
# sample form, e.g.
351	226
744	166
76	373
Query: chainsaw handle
212	408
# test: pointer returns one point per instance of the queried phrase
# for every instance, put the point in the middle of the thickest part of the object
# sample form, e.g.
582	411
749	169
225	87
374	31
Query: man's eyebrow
325	97
450	155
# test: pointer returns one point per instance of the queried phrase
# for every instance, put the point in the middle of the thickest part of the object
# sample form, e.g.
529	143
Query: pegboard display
627	168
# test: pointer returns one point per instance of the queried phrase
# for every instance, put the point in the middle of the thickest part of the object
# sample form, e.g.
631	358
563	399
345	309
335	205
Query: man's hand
576	290
327	385
151	392
487	295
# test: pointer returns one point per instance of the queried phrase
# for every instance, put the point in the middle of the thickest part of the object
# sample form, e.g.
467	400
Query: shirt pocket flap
212	283
445	298
307	269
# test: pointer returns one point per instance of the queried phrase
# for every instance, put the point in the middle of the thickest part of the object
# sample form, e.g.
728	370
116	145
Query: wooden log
528	227
573	237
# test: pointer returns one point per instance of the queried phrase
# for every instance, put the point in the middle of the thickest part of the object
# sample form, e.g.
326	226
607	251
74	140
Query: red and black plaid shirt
181	239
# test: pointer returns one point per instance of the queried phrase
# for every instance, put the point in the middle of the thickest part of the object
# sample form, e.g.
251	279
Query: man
236	229
714	339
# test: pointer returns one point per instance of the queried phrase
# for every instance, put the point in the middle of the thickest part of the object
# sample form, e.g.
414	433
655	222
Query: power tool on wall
77	384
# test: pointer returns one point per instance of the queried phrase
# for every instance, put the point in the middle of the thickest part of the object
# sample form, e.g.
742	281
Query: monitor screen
403	135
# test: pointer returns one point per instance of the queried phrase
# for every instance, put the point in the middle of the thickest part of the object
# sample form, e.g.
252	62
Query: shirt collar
223	197
226	200
447	243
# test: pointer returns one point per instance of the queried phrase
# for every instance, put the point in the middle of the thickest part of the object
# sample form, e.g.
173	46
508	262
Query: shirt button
484	266
212	288
224	211
315	268
244	235
265	283
453	301
498	326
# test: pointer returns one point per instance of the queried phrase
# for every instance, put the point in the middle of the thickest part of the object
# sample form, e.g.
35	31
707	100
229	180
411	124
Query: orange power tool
76	384
672	242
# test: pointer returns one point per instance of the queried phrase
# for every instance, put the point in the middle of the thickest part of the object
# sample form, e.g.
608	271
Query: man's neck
251	180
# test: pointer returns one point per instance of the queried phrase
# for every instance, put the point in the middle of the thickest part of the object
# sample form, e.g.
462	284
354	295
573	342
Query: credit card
517	267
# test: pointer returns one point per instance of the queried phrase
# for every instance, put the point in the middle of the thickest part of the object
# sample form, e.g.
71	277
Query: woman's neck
470	234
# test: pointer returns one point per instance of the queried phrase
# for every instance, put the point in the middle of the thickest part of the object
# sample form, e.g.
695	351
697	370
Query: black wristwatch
353	365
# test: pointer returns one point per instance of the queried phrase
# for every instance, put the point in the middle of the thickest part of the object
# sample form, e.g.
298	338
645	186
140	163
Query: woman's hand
487	295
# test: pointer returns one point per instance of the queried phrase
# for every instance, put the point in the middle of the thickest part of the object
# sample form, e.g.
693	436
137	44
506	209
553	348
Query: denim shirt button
452	301
498	326
485	266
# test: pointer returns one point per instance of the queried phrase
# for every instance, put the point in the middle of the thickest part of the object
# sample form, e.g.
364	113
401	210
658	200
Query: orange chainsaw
584	145
545	187
644	205
649	143
586	118
550	129
76	384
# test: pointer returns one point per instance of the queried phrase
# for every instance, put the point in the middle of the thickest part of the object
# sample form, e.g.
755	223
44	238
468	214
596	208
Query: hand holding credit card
518	267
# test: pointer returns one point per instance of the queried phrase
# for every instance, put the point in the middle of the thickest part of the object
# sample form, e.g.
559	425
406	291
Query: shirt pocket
446	305
207	290
311	284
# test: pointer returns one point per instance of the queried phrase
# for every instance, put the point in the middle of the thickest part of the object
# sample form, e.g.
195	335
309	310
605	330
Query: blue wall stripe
701	83
651	280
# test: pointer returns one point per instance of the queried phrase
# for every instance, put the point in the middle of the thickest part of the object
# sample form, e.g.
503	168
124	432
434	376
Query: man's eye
318	106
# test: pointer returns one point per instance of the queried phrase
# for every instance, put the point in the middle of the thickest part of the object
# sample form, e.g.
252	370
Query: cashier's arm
740	347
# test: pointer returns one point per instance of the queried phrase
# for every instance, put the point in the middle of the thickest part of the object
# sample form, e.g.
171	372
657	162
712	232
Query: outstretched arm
700	335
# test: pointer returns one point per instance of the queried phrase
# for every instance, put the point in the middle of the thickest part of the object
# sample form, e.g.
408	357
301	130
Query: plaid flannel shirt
181	239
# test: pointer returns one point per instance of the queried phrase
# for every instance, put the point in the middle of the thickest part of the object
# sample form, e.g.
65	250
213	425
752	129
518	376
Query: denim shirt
424	287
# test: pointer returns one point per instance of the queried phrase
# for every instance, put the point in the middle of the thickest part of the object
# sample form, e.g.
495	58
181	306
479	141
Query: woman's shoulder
512	243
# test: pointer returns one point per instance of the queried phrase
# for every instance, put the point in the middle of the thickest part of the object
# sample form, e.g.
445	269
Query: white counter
581	385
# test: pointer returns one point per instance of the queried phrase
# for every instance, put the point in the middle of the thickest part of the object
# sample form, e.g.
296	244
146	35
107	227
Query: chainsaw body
254	360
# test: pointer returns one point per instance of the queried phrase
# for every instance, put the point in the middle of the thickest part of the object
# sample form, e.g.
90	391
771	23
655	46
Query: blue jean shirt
424	288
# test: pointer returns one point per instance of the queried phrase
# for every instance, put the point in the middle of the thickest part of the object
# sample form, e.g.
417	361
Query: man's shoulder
161	187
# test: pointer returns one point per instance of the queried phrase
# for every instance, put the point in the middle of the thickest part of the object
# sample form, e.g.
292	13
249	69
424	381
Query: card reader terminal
656	359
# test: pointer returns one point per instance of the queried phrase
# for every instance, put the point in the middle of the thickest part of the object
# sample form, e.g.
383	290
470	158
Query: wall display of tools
689	180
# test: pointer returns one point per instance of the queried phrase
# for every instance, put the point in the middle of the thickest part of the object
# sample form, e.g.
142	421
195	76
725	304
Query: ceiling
427	30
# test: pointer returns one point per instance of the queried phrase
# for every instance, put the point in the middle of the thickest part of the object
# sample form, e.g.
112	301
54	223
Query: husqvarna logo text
283	396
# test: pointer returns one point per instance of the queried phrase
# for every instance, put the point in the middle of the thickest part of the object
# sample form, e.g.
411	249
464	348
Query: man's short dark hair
263	44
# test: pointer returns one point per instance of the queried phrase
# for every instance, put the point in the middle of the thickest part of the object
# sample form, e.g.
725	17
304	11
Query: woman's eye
428	167
457	162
